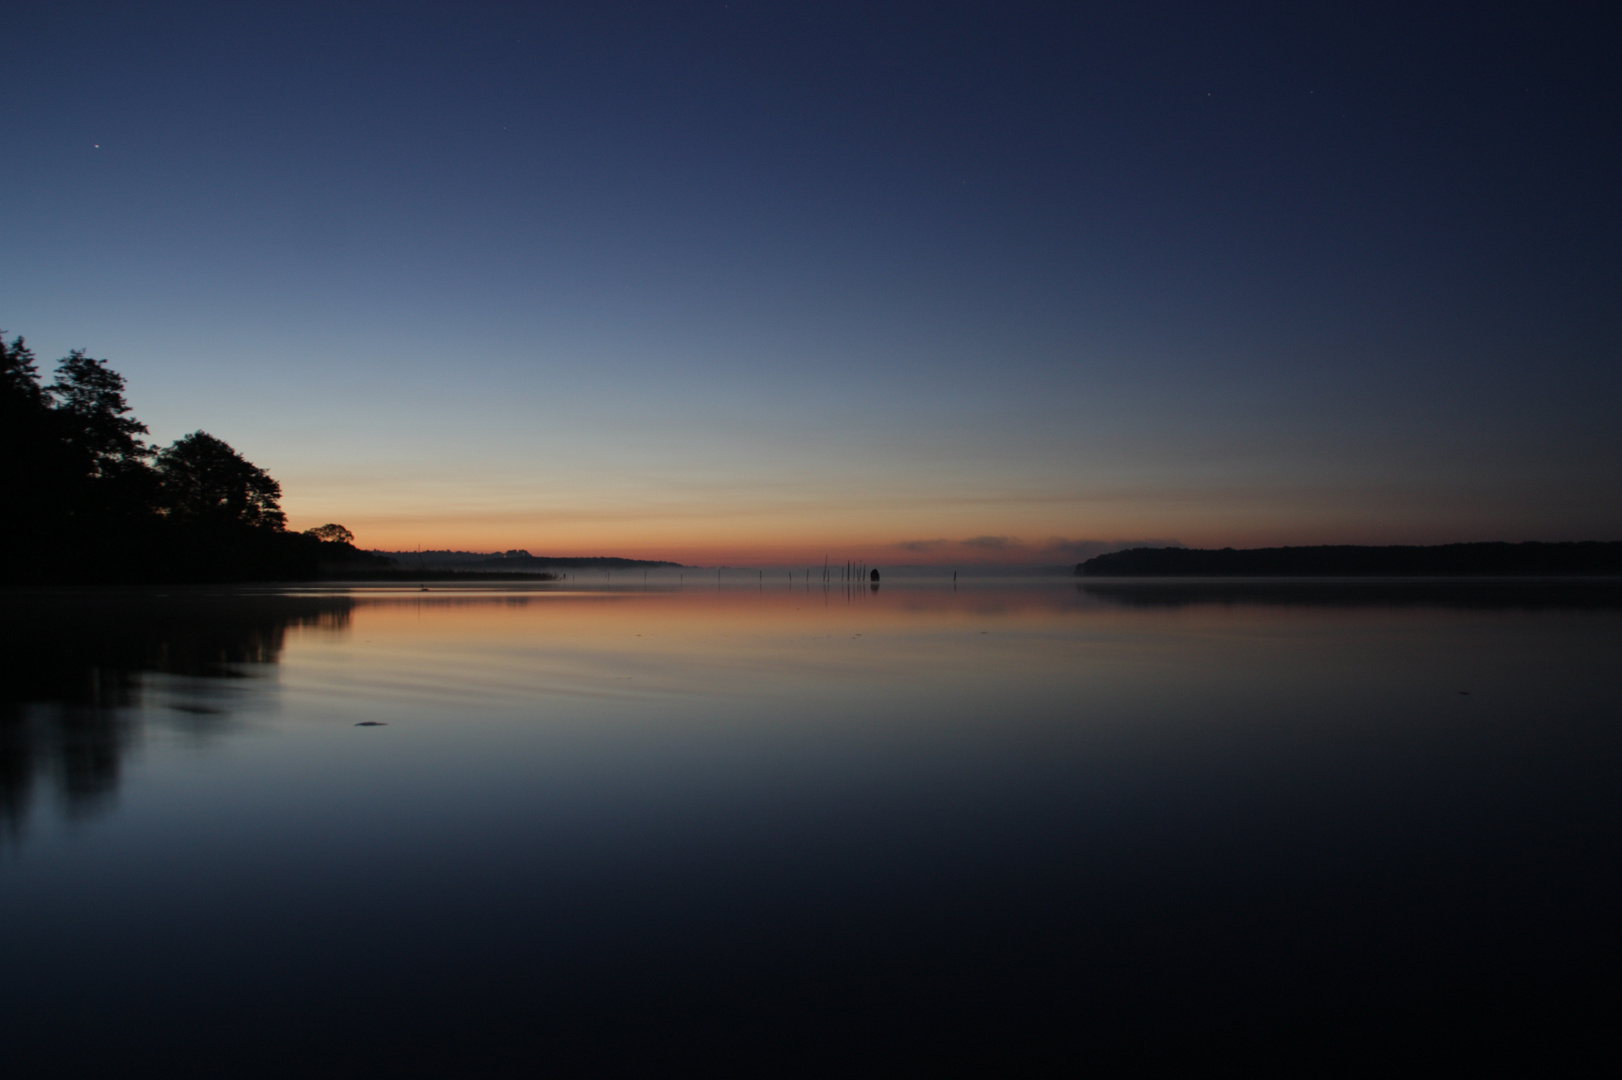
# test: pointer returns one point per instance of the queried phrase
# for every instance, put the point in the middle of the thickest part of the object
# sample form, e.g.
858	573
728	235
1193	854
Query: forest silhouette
90	502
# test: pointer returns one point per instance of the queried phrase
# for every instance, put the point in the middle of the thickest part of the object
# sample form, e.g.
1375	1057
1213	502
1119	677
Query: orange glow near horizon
729	540
623	479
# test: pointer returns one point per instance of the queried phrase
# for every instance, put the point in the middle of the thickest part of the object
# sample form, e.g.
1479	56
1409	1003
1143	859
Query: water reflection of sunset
1065	653
367	816
704	640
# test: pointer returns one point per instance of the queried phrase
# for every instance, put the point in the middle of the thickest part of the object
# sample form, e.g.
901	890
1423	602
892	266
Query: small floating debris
1466	693
371	723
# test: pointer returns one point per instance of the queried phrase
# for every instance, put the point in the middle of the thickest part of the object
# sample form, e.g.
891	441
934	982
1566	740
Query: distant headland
1531	559
514	562
473	566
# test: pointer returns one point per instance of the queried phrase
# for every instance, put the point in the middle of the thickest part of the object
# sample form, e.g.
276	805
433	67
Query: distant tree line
1531	559
87	500
521	561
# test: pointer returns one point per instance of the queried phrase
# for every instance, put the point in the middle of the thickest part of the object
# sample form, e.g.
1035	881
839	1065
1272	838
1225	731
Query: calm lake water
515	830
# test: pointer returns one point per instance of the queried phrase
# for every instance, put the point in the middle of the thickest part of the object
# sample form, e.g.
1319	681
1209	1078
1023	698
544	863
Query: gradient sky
734	282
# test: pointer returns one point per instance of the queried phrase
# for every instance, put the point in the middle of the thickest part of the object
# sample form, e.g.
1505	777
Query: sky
752	283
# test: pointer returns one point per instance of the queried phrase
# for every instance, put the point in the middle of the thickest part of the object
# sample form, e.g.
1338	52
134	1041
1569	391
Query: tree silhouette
25	414
19	378
204	480
89	400
85	499
38	473
331	531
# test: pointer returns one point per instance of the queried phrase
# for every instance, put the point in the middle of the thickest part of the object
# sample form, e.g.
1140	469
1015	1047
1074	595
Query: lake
1003	827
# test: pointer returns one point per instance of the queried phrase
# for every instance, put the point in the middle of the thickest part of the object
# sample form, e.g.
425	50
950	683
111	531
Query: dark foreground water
1009	831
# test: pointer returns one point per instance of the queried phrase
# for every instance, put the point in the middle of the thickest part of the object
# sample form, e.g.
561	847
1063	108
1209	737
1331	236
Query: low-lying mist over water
805	829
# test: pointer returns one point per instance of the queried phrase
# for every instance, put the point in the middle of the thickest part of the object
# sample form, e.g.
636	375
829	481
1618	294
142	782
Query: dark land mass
1497	594
89	502
1586	558
511	562
396	573
162	551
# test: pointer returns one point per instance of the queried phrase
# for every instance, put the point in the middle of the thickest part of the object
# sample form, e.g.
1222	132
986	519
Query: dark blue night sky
743	281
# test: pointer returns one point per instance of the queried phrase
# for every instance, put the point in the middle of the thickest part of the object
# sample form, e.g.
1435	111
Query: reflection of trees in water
80	747
72	666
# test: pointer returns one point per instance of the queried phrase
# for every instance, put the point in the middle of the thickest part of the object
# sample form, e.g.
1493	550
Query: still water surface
496	831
